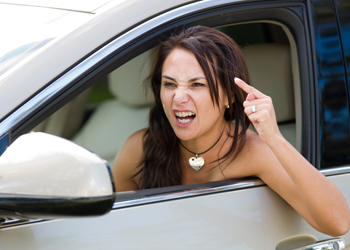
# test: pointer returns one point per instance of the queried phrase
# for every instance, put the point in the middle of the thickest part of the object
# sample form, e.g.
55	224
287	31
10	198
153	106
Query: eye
169	84
198	84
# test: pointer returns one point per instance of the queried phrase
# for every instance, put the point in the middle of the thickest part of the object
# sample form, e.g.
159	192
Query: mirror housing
45	176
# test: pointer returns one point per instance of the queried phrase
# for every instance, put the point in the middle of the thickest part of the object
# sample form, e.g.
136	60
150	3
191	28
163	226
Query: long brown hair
221	60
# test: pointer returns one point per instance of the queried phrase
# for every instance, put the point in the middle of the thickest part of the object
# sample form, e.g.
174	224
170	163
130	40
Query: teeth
184	120
184	114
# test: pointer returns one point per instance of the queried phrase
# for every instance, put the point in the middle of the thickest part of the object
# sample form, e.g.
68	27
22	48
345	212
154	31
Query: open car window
105	115
110	102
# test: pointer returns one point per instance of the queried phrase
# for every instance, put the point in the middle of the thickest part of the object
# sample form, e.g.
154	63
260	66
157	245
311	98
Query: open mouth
184	117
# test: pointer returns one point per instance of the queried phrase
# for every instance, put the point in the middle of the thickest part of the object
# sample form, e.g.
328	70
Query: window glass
334	135
343	9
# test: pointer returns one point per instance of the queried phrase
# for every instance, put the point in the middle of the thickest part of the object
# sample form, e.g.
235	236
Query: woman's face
186	98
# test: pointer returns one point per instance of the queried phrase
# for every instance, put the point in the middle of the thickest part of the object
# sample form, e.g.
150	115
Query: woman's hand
260	111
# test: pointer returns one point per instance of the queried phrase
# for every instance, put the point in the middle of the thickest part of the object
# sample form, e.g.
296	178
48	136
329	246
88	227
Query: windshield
27	29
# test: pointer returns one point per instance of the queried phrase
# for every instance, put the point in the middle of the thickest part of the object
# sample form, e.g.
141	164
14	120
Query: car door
232	214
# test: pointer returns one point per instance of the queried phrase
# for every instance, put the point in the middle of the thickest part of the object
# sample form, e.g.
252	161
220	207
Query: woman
198	132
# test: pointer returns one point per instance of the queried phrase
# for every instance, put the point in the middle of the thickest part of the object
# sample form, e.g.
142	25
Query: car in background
75	69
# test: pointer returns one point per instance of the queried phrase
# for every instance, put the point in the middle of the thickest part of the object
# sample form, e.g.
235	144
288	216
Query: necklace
198	162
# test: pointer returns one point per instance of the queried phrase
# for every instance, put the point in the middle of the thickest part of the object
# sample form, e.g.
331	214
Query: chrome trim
17	222
331	244
98	56
207	188
336	171
186	193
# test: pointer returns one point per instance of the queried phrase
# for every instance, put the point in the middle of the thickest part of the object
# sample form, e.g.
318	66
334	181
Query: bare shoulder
136	139
263	161
254	144
127	162
253	159
133	147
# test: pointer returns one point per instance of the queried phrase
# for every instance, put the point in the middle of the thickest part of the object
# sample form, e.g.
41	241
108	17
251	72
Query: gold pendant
196	162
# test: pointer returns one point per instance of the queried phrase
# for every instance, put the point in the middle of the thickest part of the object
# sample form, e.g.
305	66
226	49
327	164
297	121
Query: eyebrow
191	80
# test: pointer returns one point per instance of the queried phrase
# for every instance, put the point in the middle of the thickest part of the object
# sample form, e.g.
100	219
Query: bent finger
250	97
256	107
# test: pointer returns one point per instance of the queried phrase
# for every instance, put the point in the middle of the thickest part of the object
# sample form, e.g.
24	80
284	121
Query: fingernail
236	78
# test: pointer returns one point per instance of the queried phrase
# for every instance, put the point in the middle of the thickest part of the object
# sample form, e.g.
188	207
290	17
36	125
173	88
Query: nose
180	96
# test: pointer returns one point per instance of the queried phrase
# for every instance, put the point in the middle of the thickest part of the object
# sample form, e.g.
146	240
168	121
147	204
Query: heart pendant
196	162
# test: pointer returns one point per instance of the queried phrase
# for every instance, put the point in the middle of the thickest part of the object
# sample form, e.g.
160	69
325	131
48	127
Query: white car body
242	214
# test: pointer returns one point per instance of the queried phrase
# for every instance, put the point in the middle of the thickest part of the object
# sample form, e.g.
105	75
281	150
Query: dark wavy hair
221	60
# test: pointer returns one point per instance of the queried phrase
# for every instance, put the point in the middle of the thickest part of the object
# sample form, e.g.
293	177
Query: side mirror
44	176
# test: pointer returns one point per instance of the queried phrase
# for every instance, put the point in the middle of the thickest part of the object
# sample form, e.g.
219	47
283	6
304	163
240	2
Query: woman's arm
289	174
127	163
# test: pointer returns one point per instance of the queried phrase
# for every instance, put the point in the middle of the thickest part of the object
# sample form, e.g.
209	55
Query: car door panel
247	218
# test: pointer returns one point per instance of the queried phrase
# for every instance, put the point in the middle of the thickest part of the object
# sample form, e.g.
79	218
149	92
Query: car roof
41	39
72	5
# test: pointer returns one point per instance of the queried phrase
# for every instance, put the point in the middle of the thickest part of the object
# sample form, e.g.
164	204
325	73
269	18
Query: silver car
74	71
